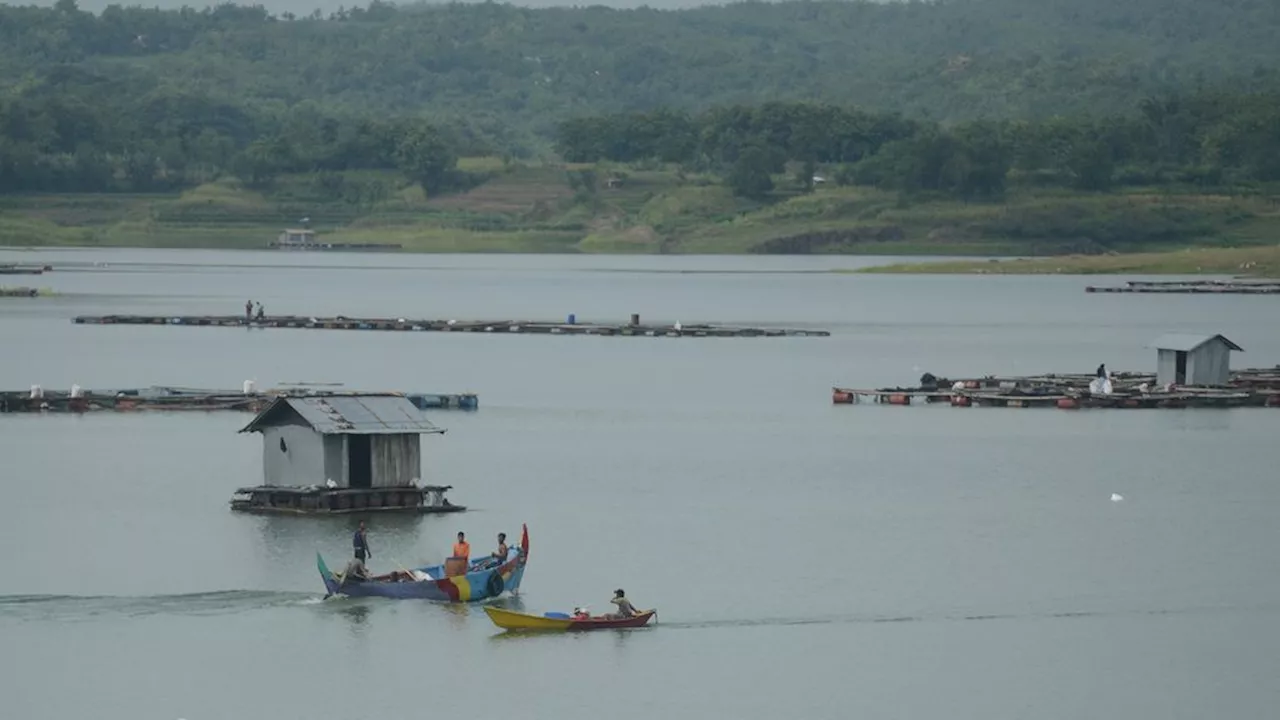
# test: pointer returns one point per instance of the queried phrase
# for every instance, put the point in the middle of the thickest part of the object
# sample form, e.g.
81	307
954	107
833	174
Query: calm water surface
807	560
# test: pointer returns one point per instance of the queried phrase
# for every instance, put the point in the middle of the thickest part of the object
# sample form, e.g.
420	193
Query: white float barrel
250	387
76	391
37	391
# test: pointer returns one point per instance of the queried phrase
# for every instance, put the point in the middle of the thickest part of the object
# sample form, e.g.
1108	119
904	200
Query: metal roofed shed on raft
342	454
1188	359
347	414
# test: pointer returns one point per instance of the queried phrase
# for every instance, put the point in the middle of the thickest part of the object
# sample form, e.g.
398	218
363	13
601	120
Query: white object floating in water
1116	497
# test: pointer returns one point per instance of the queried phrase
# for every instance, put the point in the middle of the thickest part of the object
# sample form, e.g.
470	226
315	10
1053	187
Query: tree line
1206	139
78	133
523	70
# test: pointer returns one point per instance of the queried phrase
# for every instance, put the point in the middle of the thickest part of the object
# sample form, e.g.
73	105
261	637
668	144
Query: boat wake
84	607
852	619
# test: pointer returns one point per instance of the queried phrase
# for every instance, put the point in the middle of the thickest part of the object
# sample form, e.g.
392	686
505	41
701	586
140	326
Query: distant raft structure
15	269
1193	287
305	239
1247	388
1192	372
249	399
528	327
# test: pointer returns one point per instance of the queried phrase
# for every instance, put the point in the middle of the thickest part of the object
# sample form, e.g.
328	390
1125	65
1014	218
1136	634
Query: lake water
807	560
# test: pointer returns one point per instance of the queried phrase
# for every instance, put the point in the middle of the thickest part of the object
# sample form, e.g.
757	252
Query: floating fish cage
1130	390
76	400
631	329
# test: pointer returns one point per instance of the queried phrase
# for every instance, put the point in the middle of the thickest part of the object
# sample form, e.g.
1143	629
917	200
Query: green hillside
967	126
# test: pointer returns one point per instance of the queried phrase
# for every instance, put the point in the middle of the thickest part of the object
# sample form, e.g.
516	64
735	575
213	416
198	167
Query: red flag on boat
524	540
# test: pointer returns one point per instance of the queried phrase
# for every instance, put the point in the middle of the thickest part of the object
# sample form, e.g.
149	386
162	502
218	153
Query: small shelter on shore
296	238
1184	359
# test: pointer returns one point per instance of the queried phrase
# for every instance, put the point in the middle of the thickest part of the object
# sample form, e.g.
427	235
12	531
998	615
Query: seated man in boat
499	556
355	570
625	608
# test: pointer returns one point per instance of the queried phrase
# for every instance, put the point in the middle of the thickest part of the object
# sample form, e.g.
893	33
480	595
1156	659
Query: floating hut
1194	359
305	239
342	454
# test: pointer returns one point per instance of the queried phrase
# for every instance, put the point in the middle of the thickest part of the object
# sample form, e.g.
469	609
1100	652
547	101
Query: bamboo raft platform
632	329
1194	287
187	399
11	269
320	500
1246	388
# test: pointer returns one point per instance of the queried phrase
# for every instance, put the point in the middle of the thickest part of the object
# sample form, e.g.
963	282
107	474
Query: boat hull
476	585
510	620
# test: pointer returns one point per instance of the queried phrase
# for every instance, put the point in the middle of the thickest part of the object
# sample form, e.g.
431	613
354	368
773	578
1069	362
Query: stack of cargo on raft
1192	372
457	580
571	326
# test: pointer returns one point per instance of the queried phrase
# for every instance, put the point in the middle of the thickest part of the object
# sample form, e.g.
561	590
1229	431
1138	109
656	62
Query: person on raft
625	608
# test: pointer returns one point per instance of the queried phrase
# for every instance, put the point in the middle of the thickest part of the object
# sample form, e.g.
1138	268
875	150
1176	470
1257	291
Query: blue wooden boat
482	581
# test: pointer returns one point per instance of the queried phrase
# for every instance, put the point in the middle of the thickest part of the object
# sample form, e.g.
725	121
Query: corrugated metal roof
351	415
1185	342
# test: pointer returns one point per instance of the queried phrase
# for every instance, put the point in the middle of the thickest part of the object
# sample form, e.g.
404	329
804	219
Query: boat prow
561	622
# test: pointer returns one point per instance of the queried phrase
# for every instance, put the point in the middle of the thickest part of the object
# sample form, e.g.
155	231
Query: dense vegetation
902	104
1209	139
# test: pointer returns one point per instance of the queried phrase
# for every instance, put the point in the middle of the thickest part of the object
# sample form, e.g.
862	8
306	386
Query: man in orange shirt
462	548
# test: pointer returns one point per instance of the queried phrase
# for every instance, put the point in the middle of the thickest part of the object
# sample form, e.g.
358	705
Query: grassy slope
533	209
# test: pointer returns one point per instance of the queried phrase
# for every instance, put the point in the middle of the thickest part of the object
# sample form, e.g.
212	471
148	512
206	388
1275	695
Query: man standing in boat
462	548
360	543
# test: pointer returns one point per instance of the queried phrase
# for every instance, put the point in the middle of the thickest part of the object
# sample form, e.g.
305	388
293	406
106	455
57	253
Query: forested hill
525	69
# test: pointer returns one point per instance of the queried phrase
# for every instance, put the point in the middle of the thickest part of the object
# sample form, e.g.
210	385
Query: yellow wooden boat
562	622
